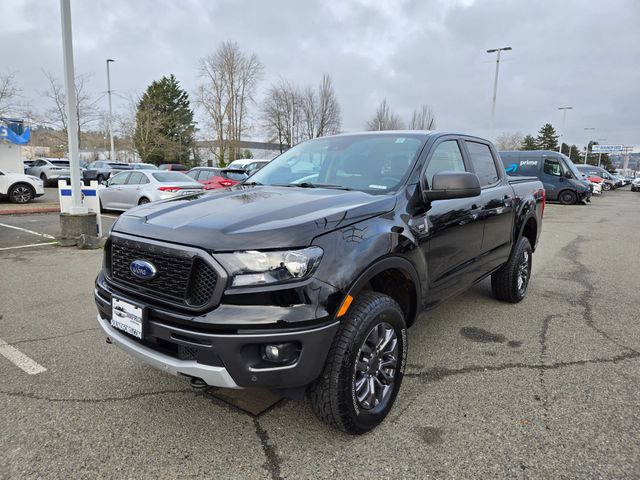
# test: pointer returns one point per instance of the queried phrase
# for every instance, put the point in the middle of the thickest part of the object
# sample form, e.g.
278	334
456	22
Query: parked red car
213	178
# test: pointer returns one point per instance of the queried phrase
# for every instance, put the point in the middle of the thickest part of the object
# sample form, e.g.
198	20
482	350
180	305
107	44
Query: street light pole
112	152
72	114
495	83
586	153
564	121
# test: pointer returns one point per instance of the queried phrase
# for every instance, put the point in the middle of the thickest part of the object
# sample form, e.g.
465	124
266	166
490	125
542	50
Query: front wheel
511	281
606	187
568	197
364	368
21	193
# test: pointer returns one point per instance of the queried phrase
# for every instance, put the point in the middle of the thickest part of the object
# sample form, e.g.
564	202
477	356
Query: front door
451	230
552	177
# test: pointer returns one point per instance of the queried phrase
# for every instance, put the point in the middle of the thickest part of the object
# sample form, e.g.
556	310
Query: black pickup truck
305	278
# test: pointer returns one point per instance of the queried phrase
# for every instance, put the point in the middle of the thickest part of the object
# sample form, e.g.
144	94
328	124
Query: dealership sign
607	148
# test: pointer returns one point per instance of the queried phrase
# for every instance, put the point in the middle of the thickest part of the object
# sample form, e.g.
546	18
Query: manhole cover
253	401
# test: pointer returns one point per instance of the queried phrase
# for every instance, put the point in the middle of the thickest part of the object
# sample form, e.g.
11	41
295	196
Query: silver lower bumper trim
214	376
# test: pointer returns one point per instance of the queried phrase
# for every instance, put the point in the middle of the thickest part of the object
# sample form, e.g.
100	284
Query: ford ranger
304	278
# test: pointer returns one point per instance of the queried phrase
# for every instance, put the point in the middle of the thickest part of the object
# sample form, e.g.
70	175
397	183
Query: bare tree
322	112
423	119
9	93
56	116
283	114
509	141
229	79
384	119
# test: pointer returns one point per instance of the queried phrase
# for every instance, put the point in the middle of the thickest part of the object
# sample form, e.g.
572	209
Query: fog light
281	353
272	352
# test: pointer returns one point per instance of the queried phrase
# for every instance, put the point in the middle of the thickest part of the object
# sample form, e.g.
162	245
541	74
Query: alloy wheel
524	268
376	366
21	194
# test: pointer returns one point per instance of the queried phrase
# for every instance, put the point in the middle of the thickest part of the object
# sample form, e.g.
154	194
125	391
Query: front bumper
225	358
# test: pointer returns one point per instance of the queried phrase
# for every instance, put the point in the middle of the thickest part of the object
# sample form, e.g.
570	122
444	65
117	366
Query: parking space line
19	359
28	246
28	231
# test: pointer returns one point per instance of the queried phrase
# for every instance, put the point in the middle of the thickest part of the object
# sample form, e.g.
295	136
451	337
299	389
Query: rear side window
483	163
238	176
194	174
137	178
446	158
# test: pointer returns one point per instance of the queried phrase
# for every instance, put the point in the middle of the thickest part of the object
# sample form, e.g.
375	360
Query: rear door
130	191
496	204
450	232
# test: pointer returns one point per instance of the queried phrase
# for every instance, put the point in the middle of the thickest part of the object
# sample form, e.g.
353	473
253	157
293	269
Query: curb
21	211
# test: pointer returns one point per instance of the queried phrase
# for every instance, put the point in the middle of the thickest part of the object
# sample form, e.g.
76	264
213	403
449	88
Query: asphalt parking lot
548	388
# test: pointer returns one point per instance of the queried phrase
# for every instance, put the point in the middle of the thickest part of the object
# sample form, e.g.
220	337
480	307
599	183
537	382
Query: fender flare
393	262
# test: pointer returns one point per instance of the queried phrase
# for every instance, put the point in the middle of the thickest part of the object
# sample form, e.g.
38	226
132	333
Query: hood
252	217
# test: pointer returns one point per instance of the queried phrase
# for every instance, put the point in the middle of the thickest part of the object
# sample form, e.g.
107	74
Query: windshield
120	166
60	163
144	166
237	175
570	166
371	163
170	177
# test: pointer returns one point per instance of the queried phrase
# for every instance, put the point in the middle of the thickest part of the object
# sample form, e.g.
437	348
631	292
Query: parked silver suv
49	169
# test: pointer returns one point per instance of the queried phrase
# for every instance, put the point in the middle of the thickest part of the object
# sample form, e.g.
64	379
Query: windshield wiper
320	185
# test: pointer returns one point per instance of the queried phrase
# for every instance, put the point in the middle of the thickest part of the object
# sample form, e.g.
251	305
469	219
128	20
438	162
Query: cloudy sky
585	54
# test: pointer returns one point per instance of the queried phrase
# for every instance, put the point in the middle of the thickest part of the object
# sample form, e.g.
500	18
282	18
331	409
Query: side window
135	178
483	163
194	174
552	167
446	157
207	174
119	179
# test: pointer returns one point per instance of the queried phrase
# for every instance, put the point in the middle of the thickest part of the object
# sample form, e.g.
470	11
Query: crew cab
305	280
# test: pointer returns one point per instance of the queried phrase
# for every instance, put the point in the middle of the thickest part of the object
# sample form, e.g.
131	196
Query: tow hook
198	384
108	340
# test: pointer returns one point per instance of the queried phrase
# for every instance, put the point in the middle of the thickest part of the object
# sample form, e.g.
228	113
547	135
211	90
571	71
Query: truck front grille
182	278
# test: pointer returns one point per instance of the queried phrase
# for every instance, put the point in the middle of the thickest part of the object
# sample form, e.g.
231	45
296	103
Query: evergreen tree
164	131
529	143
547	138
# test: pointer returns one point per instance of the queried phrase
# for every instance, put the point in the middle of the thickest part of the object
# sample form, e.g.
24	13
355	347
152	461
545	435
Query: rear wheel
100	179
511	281
606	186
21	193
364	368
567	197
43	177
143	200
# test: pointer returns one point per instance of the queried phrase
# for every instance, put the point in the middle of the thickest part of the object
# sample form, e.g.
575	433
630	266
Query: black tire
143	201
567	197
43	177
351	361
510	283
21	193
100	179
606	186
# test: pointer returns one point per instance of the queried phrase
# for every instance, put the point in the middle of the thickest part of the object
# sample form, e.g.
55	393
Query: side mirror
567	174
447	185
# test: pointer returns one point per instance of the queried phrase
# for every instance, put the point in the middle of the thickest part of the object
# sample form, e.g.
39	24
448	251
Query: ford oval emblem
143	269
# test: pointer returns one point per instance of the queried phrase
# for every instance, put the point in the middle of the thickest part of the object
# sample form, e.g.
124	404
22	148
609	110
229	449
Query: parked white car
20	188
128	189
596	188
49	169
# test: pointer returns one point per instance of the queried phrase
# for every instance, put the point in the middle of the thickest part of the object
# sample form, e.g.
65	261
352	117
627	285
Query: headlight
260	268
35	179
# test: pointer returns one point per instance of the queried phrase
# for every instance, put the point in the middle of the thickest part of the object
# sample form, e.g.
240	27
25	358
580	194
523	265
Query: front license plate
126	317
